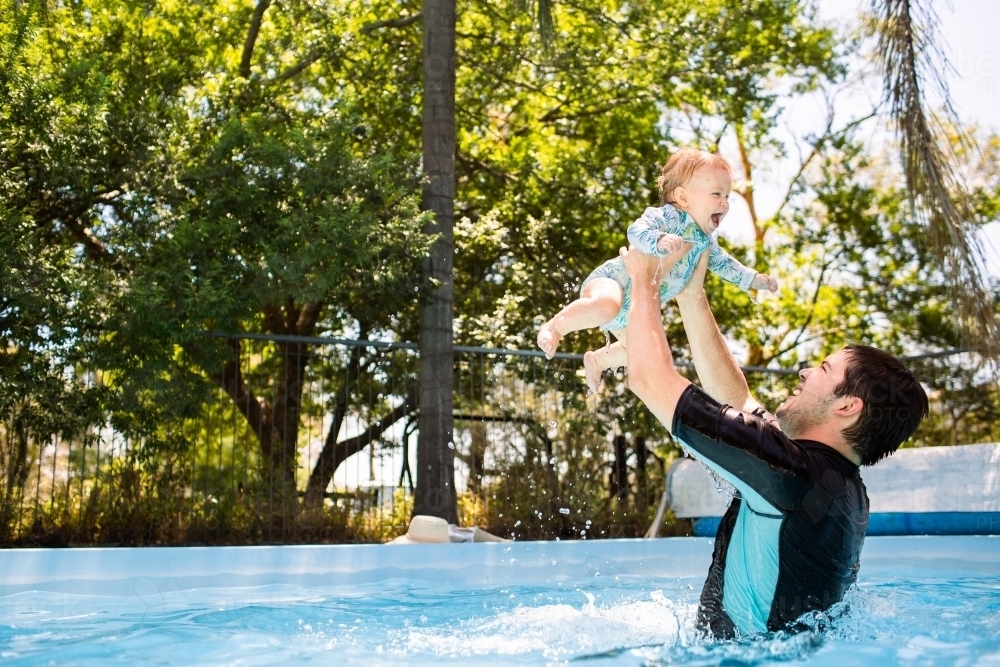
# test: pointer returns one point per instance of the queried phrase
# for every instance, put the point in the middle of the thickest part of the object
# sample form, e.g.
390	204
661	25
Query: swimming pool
920	600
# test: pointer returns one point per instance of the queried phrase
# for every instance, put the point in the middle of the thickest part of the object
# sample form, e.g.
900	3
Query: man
790	541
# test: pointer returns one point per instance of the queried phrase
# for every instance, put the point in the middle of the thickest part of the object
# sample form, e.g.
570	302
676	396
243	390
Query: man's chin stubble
795	421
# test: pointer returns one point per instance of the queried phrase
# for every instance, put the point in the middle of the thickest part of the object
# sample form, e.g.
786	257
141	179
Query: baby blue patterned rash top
644	234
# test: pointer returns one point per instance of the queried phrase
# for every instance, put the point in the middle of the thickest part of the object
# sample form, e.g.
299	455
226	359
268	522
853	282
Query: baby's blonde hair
682	166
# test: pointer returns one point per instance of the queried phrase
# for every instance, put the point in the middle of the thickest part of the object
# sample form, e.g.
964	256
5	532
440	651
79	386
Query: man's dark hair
894	402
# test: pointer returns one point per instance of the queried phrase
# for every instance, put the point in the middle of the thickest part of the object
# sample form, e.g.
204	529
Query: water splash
556	631
658	276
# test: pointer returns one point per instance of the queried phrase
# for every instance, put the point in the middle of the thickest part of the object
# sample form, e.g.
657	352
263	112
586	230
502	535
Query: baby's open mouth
716	219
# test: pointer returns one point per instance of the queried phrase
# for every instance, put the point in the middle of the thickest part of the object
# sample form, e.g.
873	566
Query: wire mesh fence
306	440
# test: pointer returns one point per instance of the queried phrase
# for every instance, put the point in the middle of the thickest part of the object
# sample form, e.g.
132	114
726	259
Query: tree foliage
200	188
172	169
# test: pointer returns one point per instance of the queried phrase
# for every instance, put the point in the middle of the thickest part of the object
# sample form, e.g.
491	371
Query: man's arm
748	450
651	373
717	369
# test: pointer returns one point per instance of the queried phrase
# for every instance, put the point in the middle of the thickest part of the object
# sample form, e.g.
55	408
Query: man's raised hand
696	284
641	266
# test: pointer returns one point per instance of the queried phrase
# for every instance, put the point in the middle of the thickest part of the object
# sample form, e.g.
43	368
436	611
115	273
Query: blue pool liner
902	523
150	573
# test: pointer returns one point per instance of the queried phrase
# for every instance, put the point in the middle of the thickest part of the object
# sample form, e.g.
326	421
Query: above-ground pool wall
925	491
153	572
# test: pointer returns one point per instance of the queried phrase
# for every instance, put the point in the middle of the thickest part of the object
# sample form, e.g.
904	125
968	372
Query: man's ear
848	406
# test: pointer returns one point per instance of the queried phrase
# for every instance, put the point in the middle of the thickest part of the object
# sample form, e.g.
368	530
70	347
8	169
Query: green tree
222	182
557	156
171	170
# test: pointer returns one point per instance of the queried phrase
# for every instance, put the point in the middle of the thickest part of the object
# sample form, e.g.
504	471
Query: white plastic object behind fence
930	490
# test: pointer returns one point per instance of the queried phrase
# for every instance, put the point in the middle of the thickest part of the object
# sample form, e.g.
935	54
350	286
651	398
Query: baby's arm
724	265
764	281
656	232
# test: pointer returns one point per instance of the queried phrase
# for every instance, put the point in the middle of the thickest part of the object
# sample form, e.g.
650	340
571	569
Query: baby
694	191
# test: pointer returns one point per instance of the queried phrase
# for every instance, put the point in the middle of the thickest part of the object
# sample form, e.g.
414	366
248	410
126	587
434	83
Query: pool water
896	615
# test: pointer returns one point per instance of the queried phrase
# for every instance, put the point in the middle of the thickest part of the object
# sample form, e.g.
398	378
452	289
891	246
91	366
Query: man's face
810	403
708	198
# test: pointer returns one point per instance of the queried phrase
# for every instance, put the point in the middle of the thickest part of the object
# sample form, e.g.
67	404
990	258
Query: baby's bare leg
598	304
596	362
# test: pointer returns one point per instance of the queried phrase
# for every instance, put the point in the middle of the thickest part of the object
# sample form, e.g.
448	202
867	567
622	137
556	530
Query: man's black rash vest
791	540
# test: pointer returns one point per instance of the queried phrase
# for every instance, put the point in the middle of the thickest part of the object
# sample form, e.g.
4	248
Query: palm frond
915	68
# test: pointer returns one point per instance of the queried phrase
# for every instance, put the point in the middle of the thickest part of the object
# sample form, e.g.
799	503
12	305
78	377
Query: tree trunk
334	453
641	479
619	486
326	465
282	463
747	191
276	422
435	452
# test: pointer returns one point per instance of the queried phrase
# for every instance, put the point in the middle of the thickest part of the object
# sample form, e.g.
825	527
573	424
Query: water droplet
513	561
518	523
564	510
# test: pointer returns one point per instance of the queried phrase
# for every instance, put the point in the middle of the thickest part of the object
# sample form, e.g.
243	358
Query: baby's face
708	198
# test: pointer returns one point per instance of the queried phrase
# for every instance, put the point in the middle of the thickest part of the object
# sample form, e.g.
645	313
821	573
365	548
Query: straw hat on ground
434	530
425	530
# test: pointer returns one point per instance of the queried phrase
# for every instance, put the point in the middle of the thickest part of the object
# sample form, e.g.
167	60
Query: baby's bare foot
548	340
593	371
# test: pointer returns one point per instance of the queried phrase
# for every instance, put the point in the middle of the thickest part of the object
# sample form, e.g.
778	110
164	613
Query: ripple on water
634	621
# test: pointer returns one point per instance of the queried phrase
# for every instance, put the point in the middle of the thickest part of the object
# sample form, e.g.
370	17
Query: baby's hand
670	243
762	281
